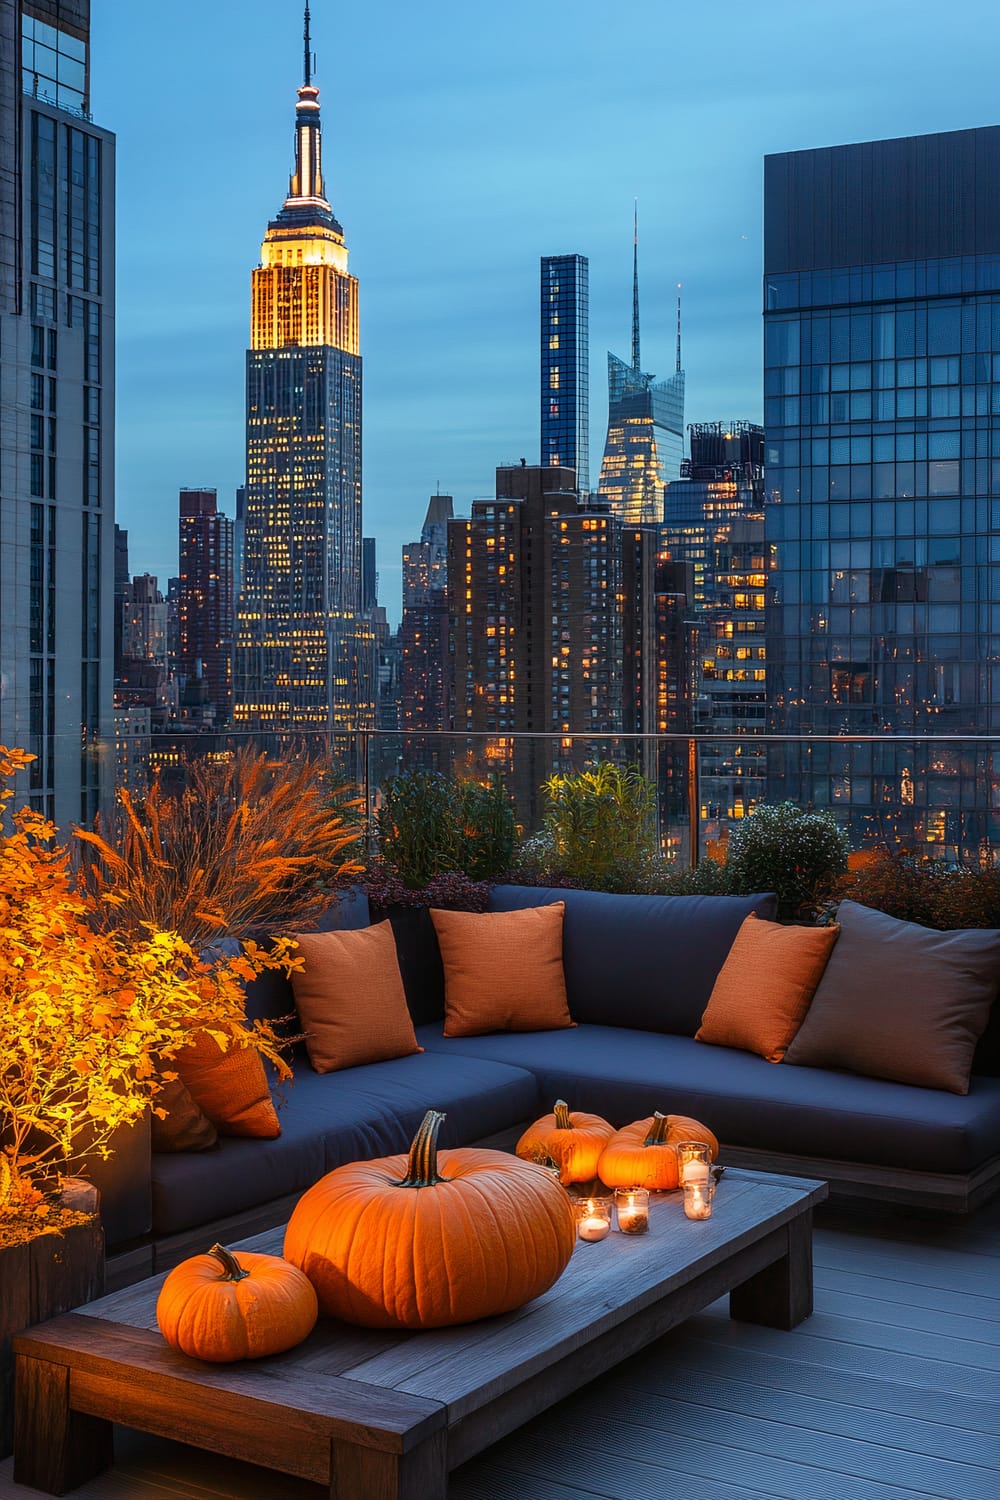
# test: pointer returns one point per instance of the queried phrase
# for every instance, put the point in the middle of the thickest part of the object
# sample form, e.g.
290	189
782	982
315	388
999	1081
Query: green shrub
598	820
431	824
796	852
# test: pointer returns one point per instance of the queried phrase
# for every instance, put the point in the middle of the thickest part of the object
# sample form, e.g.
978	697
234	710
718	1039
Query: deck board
888	1392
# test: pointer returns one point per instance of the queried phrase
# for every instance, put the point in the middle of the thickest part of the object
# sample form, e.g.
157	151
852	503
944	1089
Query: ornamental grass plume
88	1014
248	844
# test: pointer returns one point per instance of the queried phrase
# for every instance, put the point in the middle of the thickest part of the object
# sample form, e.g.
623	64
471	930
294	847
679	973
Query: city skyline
458	165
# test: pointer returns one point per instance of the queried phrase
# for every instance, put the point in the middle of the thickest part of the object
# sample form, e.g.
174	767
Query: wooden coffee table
385	1416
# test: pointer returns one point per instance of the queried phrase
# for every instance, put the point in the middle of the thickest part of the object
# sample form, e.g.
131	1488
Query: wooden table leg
55	1448
780	1295
358	1473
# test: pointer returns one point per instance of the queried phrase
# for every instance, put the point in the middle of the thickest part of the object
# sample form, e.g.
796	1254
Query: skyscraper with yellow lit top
304	654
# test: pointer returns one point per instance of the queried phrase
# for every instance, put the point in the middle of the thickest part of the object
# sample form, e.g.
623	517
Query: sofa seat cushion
330	1119
746	1101
651	960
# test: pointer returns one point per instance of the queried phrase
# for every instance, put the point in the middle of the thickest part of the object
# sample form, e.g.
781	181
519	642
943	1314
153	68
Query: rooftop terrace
888	1392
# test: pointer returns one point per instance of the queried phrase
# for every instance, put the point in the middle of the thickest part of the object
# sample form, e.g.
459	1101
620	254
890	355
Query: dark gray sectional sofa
639	973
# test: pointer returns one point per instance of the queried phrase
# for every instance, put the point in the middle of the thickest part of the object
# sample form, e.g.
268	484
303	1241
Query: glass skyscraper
645	441
57	299
564	326
304	653
882	416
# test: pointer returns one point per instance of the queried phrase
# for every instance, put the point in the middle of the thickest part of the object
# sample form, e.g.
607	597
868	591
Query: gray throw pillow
900	1001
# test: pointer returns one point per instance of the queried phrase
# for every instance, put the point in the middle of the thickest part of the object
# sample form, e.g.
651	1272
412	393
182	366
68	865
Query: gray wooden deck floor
889	1392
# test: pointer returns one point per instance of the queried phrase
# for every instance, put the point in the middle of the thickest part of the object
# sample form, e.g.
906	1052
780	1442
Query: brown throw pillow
350	998
765	986
229	1087
185	1128
900	1001
503	971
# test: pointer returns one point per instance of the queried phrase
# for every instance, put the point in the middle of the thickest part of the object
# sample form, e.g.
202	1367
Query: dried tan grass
248	845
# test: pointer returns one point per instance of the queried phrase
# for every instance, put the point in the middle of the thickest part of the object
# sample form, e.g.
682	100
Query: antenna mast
635	284
307	68
678	328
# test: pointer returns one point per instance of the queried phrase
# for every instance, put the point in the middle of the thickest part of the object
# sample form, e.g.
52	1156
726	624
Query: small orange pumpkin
572	1139
644	1154
398	1243
218	1308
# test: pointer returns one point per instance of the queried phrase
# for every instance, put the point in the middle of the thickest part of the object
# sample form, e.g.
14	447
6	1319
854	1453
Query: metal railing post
694	804
366	782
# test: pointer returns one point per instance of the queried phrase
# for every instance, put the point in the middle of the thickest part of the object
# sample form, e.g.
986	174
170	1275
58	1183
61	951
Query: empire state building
304	655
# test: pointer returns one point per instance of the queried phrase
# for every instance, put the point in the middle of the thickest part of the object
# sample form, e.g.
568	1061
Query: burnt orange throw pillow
763	991
350	998
229	1087
503	970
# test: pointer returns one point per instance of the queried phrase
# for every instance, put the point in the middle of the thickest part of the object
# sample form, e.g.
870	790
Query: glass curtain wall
882	411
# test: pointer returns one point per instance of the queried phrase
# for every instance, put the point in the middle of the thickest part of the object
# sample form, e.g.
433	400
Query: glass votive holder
632	1208
694	1160
698	1198
593	1219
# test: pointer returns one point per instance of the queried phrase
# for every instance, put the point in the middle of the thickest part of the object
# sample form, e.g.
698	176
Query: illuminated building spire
635	285
302	291
306	201
678	328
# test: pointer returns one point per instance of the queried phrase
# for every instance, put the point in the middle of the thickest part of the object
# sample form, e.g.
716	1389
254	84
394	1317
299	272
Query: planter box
47	1275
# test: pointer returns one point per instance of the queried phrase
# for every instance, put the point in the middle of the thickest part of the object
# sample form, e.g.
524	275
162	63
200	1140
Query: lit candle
594	1219
594	1228
632	1205
698	1199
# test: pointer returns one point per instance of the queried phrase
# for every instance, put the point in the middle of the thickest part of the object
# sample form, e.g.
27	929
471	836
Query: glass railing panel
938	795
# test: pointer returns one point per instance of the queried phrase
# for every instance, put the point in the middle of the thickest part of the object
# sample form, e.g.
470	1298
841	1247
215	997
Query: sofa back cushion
503	970
350	998
270	997
229	1087
646	962
901	1001
765	986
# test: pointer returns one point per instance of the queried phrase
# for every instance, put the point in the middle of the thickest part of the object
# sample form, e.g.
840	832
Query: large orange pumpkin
429	1240
219	1308
572	1139
644	1154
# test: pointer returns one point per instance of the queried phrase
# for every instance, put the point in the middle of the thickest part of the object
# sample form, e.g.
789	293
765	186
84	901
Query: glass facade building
54	58
882	416
645	442
57	178
304	655
564	325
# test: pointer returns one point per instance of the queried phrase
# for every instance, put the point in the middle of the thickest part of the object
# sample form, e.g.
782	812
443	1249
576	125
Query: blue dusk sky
462	142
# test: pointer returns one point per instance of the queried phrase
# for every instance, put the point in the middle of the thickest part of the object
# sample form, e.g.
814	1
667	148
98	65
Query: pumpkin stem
657	1133
561	1112
234	1271
421	1169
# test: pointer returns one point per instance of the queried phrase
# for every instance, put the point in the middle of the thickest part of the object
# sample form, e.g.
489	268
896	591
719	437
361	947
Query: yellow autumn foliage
89	1012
